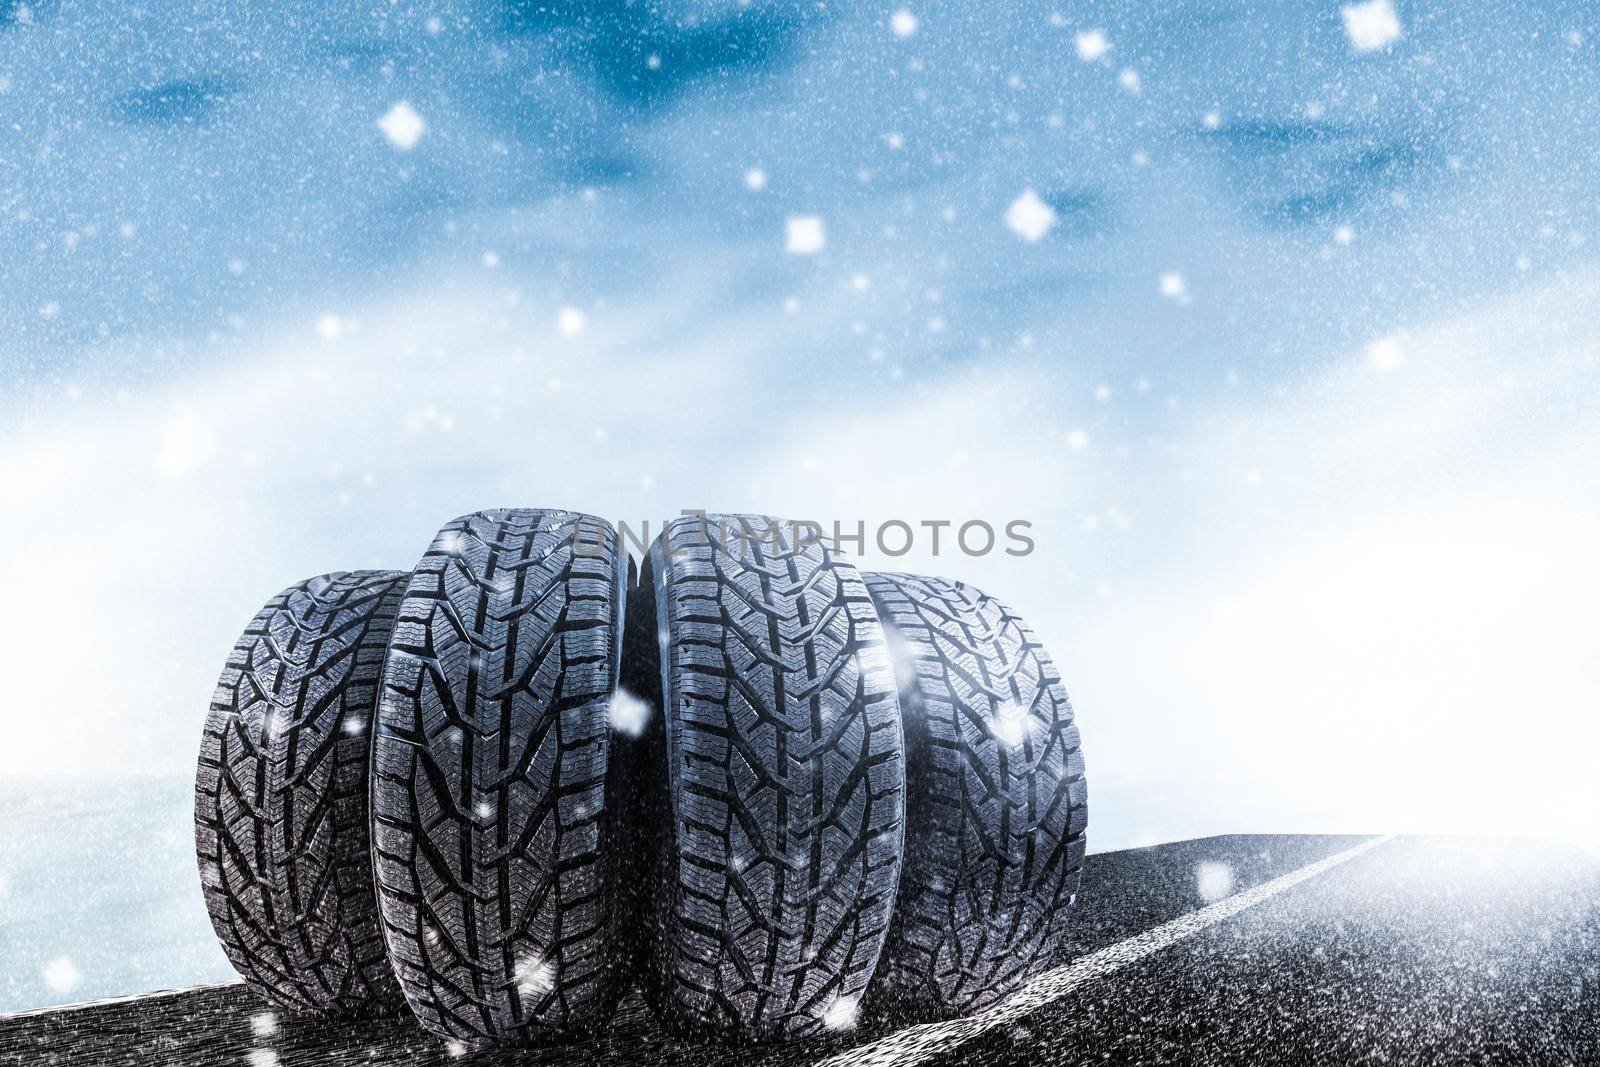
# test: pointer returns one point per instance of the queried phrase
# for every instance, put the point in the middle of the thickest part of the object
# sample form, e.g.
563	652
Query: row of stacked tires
772	791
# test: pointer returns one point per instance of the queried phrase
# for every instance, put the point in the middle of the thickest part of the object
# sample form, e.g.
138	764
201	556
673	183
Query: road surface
1248	949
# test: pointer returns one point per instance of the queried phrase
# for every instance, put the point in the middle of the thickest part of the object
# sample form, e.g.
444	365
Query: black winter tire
771	791
281	797
489	800
995	801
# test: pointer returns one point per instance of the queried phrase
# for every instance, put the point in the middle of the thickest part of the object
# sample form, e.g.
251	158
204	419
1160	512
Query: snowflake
1213	881
330	327
1386	354
1173	287
402	126
1010	723
804	235
570	322
1029	217
1078	440
1372	25
627	713
263	1057
1091	45
903	23
61	975
841	1014
534	975
264	1024
755	179
1129	80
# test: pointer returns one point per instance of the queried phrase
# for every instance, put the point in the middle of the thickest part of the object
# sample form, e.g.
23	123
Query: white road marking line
155	994
918	1043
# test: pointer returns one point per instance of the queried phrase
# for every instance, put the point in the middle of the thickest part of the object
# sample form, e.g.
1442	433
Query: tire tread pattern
784	756
996	800
281	822
489	783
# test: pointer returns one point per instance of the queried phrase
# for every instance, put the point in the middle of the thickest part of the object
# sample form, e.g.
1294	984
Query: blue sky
1277	321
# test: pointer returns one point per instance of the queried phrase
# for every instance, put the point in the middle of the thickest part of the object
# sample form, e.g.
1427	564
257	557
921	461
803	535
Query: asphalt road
1221	950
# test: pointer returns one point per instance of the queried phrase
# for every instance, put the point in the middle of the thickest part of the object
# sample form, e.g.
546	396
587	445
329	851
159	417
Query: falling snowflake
264	1024
61	975
1010	723
1091	45
841	1014
534	975
1386	354
330	327
627	713
1213	881
570	322
1129	80
755	179
903	23
263	1057
1173	287
402	126
1029	217
1078	440
804	235
1372	25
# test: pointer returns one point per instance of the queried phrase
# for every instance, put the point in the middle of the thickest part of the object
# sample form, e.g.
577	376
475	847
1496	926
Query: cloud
1350	605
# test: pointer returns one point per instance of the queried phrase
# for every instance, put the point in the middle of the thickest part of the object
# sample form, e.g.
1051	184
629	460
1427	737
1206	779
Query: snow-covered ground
98	891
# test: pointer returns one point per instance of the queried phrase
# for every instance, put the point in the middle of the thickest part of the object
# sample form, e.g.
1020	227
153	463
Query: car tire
769	795
489	804
996	802
281	822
